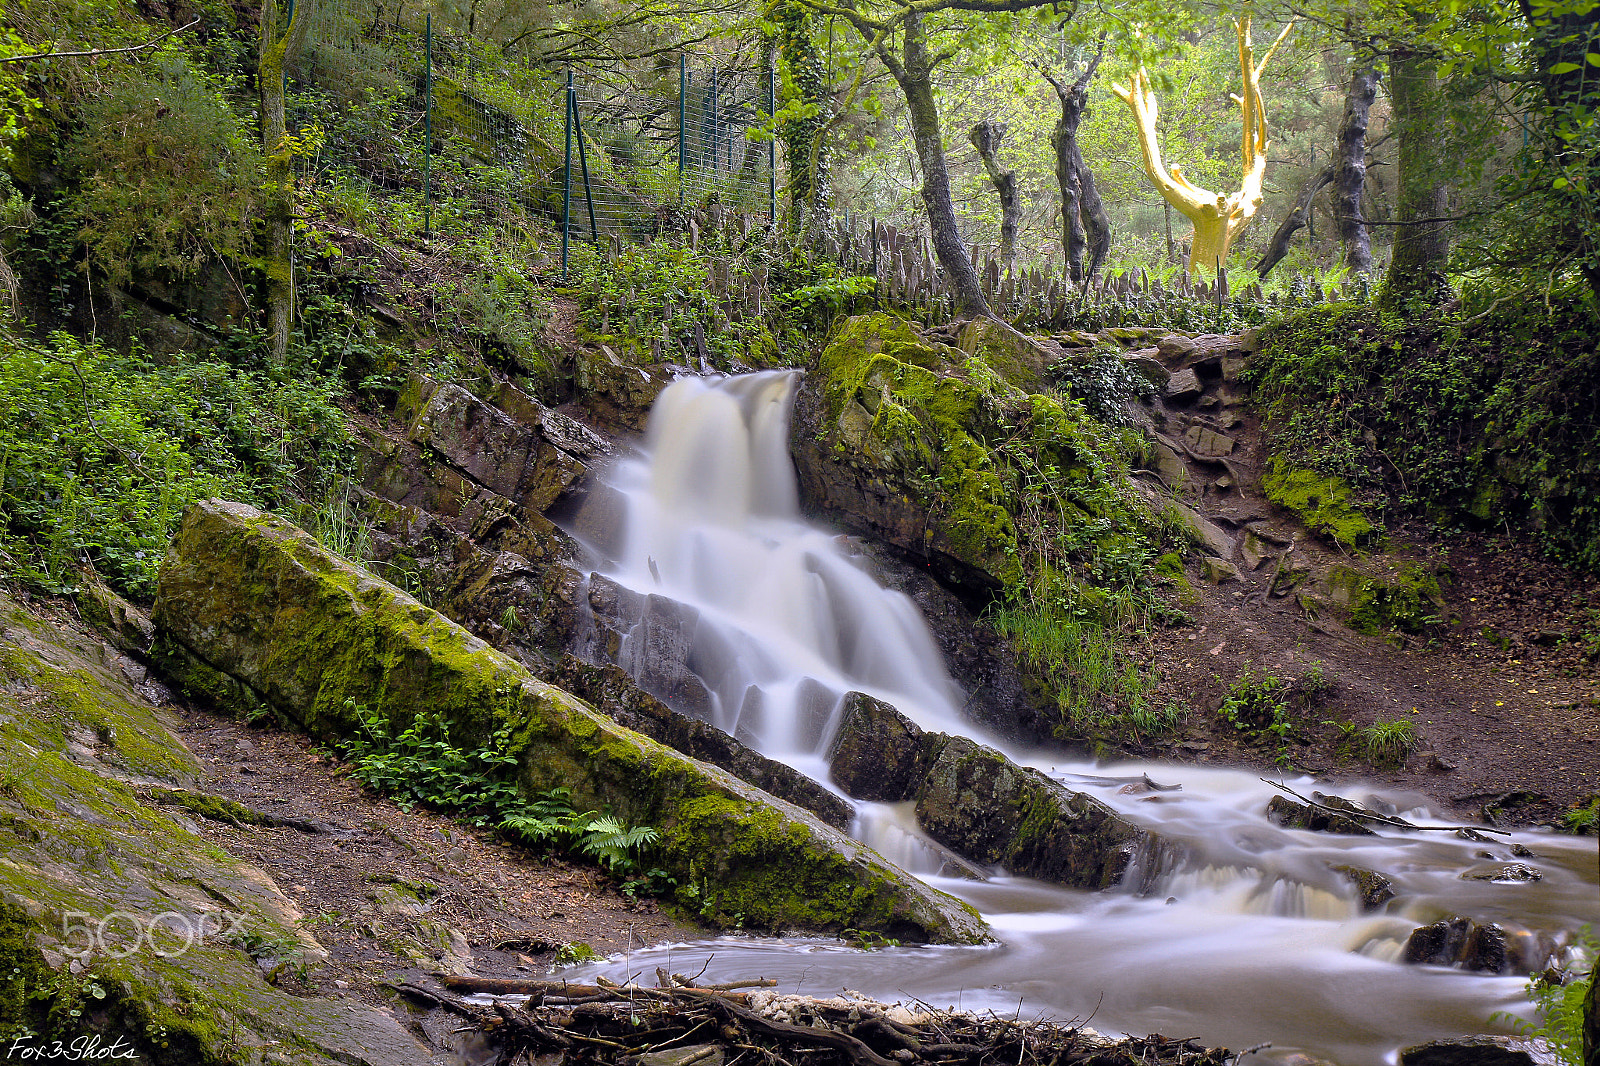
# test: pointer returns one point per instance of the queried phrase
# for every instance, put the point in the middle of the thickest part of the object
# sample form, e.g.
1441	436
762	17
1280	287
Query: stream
1253	940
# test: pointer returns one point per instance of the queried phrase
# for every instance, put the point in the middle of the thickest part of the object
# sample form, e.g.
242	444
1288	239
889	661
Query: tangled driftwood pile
680	1023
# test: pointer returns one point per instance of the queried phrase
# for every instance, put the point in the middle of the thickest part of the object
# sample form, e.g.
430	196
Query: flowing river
1254	940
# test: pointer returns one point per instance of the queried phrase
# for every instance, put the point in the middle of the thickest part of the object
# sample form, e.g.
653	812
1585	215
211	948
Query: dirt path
394	894
1503	690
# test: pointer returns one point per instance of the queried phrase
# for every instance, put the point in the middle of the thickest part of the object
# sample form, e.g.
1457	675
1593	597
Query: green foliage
867	940
1105	383
1584	818
1559	1031
421	765
1388	741
574	952
1478	415
100	452
814	306
1264	706
166	174
1321	502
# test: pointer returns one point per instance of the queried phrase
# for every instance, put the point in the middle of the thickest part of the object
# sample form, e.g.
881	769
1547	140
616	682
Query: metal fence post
566	181
716	109
683	93
427	131
583	159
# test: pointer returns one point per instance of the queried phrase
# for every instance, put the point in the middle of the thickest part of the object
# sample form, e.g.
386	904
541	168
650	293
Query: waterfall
787	617
1260	937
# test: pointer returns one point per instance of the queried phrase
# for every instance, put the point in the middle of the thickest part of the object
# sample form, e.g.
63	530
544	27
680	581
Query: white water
1254	939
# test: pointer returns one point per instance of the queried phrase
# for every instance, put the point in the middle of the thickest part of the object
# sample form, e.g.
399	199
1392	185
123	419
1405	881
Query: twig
104	51
1383	819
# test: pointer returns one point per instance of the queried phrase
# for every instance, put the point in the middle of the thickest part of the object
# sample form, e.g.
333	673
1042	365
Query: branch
104	51
1383	819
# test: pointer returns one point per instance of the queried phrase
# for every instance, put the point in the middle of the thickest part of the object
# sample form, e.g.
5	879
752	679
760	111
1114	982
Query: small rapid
1256	935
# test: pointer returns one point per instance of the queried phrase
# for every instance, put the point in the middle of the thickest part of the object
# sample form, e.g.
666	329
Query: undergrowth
1560	1007
420	765
101	451
1483	415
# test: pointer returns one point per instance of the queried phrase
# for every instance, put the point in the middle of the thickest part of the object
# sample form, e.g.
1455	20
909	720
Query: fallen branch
97	52
1383	819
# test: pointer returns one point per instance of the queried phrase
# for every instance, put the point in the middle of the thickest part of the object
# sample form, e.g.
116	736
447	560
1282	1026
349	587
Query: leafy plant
867	940
1560	1007
575	952
420	764
1388	741
1583	818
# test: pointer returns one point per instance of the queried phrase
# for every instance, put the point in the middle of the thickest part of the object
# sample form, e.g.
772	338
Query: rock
519	462
1207	443
1015	356
1458	942
1466	1051
125	626
618	394
80	845
1375	889
1217	540
613	691
987	809
1516	873
1175	345
1182	387
878	754
1232	366
1282	810
248	605
1149	367
1219	571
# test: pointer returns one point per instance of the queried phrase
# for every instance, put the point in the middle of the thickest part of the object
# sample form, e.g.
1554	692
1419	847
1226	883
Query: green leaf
1560	183
1592	58
1563	68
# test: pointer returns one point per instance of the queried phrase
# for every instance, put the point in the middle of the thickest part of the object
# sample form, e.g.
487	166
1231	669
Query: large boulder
982	806
253	612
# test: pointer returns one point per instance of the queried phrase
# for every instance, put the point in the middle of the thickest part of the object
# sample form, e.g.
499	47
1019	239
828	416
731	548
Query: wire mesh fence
468	131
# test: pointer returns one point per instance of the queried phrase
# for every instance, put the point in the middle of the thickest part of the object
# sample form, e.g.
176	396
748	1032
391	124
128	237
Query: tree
1083	214
1347	173
1217	219
986	137
279	48
805	83
1422	199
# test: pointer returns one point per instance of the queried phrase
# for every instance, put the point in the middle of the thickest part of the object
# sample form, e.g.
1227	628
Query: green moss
1321	502
1410	602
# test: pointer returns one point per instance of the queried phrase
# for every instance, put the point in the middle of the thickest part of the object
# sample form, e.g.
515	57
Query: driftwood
1382	819
681	1023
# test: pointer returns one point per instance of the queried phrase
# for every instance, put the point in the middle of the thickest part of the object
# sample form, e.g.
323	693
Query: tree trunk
1084	225
914	74
1421	249
809	188
1278	246
986	137
277	53
1351	176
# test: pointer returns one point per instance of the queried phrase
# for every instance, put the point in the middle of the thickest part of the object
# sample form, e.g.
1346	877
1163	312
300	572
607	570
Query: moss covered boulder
935	451
254	613
117	920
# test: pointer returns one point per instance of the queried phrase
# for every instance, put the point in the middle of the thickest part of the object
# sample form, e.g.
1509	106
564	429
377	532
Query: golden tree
1217	219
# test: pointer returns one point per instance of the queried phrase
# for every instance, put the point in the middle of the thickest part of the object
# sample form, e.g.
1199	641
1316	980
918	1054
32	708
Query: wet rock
611	690
1504	874
878	753
1282	810
1182	386
1459	942
1466	1051
616	393
247	601
987	809
521	463
1375	889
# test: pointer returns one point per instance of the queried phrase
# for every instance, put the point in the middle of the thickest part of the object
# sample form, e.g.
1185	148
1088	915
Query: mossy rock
1322	503
933	450
1408	601
247	597
88	865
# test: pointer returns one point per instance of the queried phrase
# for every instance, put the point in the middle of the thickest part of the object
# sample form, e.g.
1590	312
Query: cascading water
1258	937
